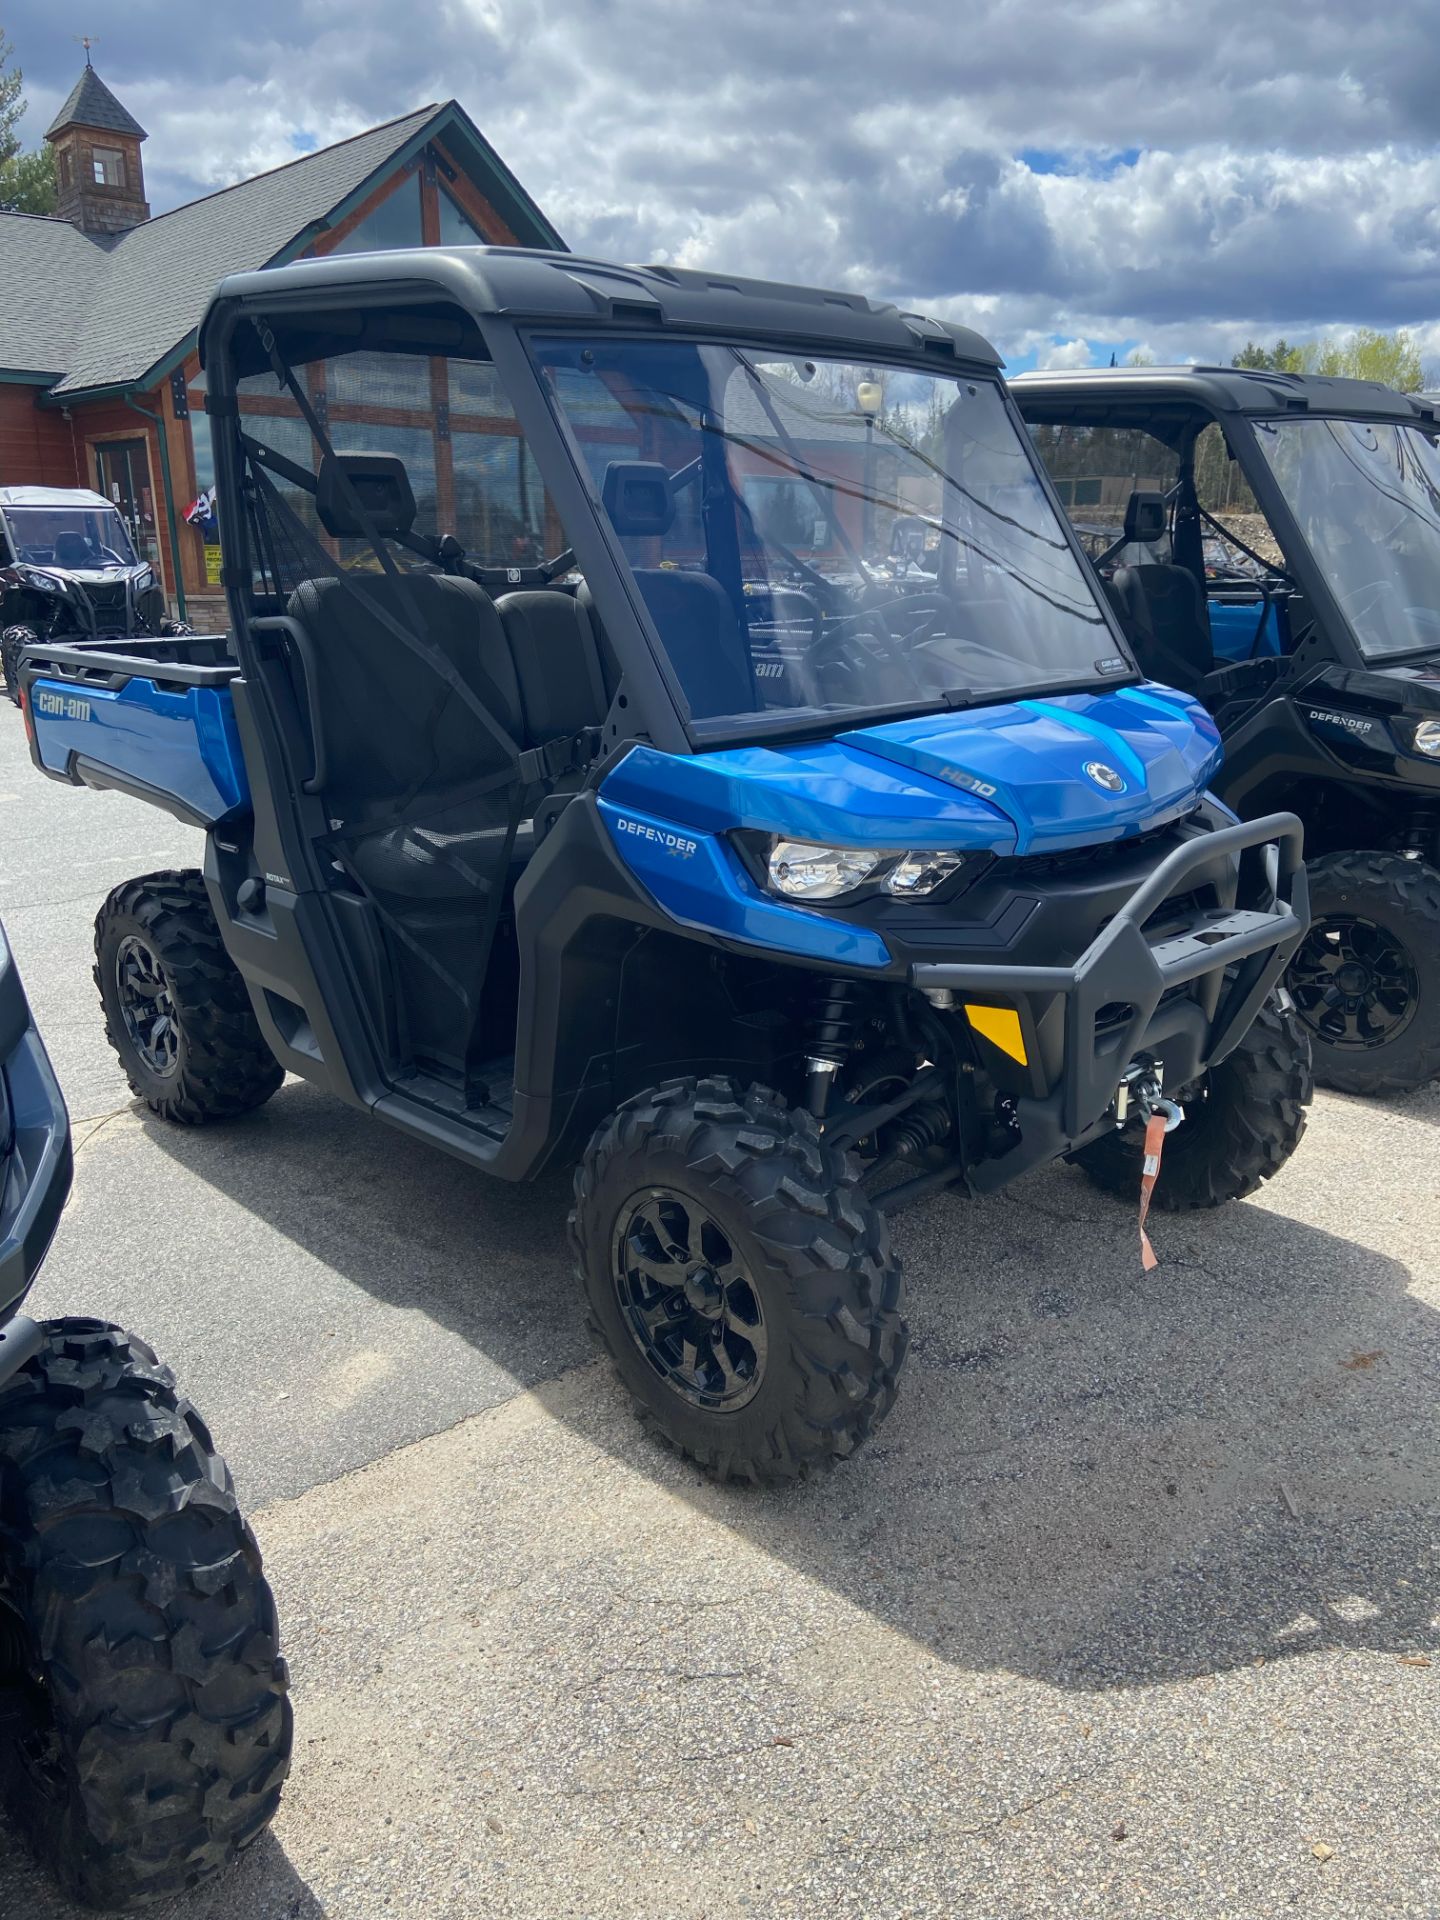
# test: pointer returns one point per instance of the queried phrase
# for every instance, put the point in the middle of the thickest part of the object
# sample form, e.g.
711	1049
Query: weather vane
88	40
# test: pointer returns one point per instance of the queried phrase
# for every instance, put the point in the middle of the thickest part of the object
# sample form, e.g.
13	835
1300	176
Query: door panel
123	476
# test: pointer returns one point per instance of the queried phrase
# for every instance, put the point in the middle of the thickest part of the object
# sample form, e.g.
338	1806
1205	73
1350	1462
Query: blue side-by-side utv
668	726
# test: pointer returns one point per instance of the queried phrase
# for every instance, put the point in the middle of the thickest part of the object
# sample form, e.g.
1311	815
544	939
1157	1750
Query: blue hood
1010	778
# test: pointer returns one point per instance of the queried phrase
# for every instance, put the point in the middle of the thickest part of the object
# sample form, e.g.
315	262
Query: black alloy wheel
1354	983
740	1278
146	1006
177	1011
688	1301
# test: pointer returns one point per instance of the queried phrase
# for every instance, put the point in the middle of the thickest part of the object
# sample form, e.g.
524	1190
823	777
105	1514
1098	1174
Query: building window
109	164
457	229
394	223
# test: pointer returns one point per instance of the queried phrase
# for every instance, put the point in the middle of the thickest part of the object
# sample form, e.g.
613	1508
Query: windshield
80	539
813	537
1367	499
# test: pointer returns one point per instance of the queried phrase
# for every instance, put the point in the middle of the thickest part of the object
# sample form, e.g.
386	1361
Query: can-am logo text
61	706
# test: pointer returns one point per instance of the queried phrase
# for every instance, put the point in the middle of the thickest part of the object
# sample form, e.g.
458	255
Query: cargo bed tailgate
154	720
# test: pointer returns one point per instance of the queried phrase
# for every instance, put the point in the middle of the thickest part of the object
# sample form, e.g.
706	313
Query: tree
1281	358
1365	354
1391	358
27	180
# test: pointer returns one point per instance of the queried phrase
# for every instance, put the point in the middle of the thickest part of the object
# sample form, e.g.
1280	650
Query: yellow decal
1001	1027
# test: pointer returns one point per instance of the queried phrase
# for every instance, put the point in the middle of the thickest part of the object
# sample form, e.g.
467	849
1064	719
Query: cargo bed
148	717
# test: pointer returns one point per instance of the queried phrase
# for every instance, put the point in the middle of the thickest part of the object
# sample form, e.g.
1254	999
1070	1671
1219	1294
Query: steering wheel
787	602
859	642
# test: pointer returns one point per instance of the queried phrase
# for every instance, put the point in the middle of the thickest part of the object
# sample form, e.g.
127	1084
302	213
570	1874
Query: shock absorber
831	1041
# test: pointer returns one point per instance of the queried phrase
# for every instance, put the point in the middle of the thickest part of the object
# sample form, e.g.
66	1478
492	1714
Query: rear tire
777	1270
1241	1129
155	1730
177	1012
1385	1038
11	641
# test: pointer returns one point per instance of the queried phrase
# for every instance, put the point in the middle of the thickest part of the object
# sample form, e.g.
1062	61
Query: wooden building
100	383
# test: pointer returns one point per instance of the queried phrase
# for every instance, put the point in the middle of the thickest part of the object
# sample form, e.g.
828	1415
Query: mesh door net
402	673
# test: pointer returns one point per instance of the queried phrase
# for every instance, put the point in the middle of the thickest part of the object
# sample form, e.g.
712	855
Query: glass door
124	479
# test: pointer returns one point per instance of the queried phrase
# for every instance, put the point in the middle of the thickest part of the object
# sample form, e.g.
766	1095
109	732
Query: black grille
111	608
1086	860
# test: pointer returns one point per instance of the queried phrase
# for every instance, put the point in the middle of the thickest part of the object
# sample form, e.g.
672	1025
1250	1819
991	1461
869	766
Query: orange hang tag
1154	1147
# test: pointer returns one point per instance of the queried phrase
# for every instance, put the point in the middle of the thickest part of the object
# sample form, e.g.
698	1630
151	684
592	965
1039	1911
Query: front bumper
1183	994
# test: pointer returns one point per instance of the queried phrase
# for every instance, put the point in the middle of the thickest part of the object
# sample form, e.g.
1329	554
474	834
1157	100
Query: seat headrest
380	483
1145	516
638	497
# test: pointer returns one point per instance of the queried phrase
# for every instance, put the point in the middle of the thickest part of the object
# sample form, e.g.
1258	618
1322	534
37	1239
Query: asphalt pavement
1129	1609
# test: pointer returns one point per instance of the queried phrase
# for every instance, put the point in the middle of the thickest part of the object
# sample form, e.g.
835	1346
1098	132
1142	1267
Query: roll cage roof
478	302
1089	394
524	286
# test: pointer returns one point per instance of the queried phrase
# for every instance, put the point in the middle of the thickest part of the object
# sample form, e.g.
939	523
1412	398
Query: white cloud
978	160
1066	353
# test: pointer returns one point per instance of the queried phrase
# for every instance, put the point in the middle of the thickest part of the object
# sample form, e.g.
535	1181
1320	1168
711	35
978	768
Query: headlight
145	578
921	873
42	582
804	872
1427	739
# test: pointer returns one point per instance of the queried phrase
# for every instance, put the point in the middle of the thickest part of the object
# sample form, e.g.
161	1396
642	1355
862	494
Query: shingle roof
51	273
92	104
157	280
104	312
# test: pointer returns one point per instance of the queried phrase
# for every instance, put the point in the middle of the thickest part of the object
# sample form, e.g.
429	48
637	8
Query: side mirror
1145	516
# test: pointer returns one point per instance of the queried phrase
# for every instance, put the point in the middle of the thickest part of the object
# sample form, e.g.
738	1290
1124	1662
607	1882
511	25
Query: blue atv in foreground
668	724
144	1726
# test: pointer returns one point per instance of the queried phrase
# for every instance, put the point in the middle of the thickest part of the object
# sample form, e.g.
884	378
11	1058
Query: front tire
739	1278
1241	1124
155	1730
1366	979
176	1009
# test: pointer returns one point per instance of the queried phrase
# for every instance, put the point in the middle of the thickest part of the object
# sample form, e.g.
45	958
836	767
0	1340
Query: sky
1072	179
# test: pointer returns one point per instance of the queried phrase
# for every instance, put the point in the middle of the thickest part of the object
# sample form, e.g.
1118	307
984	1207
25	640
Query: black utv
68	570
1271	544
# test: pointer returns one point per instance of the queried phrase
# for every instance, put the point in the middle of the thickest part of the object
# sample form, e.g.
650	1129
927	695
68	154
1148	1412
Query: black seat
395	739
72	549
388	727
1163	612
703	637
556	658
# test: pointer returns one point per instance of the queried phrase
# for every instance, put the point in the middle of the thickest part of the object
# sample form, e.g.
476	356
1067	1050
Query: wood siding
36	447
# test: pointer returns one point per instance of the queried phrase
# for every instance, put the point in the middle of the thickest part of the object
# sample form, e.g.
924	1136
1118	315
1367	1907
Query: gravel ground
1129	1609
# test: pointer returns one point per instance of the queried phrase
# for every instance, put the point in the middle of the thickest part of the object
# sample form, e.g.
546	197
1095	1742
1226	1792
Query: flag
201	512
